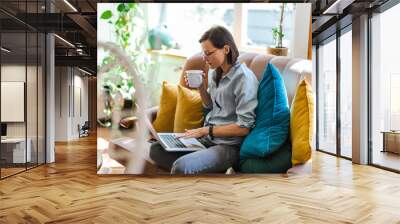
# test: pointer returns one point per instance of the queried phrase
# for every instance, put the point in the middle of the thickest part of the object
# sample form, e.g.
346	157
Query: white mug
195	78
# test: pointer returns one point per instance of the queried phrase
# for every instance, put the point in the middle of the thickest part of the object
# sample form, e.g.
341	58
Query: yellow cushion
189	110
301	123
164	121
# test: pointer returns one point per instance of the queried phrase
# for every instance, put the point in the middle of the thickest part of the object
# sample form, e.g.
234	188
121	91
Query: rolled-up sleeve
246	100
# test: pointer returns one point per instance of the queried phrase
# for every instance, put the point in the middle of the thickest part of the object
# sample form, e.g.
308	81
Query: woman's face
213	56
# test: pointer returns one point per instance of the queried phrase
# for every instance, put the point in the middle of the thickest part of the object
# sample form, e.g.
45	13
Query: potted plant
127	21
277	33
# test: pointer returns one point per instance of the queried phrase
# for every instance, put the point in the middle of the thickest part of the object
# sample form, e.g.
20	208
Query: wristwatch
210	132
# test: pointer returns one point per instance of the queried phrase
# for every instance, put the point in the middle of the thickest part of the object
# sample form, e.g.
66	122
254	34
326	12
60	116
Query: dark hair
219	36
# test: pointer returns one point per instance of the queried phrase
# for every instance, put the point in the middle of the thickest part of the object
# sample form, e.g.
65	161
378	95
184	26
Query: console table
13	150
391	141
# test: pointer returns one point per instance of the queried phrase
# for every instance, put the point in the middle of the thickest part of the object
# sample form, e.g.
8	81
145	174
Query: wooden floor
10	171
69	191
386	159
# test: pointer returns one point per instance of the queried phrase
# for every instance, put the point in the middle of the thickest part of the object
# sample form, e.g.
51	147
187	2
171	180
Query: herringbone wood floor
69	191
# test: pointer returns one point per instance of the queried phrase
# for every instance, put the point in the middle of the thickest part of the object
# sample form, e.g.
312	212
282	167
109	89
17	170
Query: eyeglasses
206	55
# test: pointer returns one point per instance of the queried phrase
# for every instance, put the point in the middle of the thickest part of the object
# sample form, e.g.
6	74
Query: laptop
170	141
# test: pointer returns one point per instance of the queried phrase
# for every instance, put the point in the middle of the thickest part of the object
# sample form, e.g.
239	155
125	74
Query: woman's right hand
203	85
205	96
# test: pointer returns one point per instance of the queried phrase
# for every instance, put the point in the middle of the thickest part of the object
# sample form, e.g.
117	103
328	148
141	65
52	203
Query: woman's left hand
194	133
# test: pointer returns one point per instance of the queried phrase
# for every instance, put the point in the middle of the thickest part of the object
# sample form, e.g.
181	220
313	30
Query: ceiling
330	15
74	22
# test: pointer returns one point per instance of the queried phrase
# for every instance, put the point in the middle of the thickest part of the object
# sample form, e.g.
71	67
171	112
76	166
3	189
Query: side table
391	141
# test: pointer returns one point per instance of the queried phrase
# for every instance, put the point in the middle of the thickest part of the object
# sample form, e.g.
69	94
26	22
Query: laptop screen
149	125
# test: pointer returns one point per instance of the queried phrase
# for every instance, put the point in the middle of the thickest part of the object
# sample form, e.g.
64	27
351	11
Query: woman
231	98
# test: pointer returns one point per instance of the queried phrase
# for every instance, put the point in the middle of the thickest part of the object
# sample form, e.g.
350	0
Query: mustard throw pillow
189	110
164	121
301	123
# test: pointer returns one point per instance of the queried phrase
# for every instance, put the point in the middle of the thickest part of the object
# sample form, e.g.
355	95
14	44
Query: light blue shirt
234	100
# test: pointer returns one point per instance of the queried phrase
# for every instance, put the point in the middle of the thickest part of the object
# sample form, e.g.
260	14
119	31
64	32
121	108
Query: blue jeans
213	159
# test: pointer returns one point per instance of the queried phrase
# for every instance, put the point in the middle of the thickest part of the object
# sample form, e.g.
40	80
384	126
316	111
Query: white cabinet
13	150
168	67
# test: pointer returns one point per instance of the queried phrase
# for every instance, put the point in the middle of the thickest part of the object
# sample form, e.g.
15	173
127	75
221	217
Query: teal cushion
272	117
278	162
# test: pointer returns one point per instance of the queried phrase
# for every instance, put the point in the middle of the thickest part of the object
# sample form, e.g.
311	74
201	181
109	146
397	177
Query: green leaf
132	5
106	14
121	8
122	21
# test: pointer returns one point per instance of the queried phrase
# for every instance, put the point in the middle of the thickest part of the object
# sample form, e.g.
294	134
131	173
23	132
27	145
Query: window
327	96
334	106
22	75
346	94
187	22
251	24
394	101
385	88
261	18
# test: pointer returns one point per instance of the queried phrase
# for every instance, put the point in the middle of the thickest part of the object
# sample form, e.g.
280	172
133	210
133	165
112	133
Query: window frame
329	39
27	29
342	32
379	10
340	24
240	29
333	37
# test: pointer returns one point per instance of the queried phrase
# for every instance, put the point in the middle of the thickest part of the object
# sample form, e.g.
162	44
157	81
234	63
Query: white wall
34	125
61	103
70	83
50	93
360	90
301	27
12	73
79	117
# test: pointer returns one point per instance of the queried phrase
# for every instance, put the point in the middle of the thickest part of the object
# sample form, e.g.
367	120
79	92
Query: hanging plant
128	24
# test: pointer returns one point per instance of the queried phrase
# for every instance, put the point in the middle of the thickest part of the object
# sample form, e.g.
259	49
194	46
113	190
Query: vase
108	104
127	114
278	51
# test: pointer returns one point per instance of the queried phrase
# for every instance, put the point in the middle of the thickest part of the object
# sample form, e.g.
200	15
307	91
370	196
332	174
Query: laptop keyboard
172	142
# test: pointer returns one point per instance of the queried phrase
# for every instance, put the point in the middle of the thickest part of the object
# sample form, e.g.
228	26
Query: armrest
152	113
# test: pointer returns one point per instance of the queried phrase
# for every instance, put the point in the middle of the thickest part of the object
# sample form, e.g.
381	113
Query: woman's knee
193	163
182	166
178	167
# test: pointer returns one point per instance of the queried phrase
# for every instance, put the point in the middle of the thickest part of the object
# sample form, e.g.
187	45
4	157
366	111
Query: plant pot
278	51
127	122
127	113
128	104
